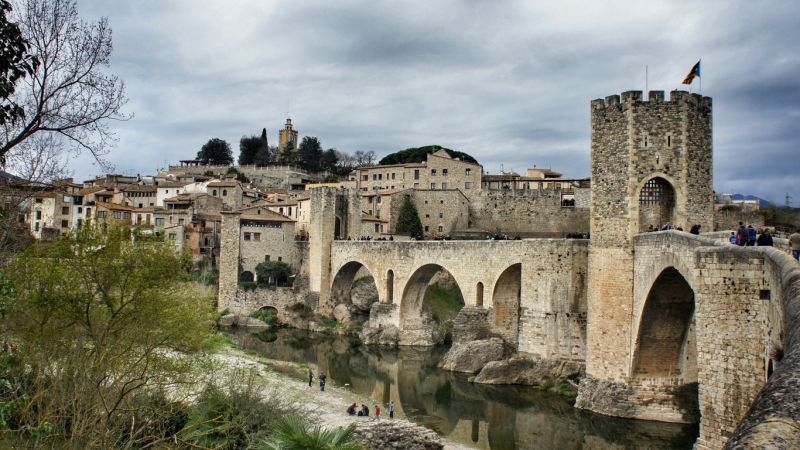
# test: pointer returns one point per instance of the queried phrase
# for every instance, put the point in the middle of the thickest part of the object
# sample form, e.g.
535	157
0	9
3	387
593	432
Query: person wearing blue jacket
751	235
734	240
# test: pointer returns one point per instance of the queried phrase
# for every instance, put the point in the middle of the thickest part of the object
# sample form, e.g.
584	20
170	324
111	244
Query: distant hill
761	202
419	154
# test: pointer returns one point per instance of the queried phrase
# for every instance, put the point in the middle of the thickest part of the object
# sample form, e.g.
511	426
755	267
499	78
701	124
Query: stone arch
658	199
246	277
506	303
390	286
665	346
479	295
270	309
343	281
414	295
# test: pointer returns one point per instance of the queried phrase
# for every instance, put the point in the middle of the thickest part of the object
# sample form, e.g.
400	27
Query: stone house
169	189
440	171
266	237
50	214
115	214
230	192
140	196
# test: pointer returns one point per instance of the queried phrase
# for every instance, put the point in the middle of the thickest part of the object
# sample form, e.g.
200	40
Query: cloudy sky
508	82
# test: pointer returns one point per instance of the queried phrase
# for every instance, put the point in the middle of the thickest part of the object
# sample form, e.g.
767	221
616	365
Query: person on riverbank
352	409
377	412
391	410
310	377
322	378
765	240
364	411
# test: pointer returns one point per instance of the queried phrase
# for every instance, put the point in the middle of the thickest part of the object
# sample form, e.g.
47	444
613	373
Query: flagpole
701	78
645	83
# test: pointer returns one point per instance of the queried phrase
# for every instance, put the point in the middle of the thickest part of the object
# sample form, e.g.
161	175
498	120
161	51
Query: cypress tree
408	219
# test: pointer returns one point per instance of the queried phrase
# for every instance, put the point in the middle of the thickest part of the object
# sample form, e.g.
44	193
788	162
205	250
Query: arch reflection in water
482	416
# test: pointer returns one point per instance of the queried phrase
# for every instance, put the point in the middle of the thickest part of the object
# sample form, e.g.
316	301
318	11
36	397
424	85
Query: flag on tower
694	73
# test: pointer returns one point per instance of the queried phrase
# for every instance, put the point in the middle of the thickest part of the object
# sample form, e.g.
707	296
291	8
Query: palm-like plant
292	433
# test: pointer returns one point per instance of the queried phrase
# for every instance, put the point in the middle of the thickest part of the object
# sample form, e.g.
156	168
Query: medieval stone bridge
701	311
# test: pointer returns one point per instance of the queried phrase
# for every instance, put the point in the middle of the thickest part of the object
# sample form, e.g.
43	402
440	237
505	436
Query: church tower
287	134
651	165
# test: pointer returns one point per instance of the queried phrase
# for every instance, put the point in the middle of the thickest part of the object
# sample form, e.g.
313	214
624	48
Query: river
482	416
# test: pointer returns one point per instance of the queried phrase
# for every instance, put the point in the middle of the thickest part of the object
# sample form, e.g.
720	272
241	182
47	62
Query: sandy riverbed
325	408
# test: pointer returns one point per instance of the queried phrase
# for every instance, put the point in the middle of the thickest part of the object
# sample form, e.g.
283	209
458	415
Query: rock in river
471	356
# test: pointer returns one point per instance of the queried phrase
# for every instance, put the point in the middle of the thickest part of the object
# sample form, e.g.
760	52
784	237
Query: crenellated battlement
635	97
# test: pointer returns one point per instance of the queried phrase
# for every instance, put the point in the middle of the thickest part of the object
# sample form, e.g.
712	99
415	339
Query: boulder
396	434
388	335
529	371
228	320
251	322
342	314
471	356
363	295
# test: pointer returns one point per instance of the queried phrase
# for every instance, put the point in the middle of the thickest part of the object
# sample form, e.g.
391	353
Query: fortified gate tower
651	164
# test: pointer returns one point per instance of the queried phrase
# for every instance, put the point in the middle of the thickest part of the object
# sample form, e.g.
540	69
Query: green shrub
302	310
330	323
247	285
266	316
365	279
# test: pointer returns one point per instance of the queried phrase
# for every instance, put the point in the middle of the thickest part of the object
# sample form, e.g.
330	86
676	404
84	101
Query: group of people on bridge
748	237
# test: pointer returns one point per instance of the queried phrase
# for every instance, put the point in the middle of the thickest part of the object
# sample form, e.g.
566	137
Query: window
180	221
377	228
38	200
280	258
380	176
160	222
416	185
416	174
36	226
65	210
426	202
441	216
126	215
173	236
427	216
433	172
374	177
247	236
266	257
257	237
369	212
38	215
444	185
101	214
393	175
469	171
379	200
433	185
117	215
444	172
167	191
426	228
80	210
224	192
364	177
64	223
148	219
214	192
441	228
441	202
467	185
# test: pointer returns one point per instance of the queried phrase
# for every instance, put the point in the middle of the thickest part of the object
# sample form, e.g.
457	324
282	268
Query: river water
483	416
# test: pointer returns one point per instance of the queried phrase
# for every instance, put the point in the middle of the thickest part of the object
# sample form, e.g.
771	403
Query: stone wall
274	176
729	220
530	213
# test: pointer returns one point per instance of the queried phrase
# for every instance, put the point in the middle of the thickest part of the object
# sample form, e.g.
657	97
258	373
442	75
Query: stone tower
651	164
287	134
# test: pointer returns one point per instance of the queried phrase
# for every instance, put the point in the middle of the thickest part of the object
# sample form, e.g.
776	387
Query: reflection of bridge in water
482	416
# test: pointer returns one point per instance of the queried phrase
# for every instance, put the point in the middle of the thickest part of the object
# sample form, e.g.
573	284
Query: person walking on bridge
695	229
751	236
765	240
742	235
794	242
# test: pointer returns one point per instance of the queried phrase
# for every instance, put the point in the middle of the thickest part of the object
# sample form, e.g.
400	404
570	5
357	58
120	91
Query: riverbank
287	381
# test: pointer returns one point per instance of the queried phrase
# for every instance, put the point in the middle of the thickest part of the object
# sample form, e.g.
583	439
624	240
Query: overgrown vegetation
364	279
205	271
443	304
270	271
266	316
408	221
687	397
92	316
420	154
302	310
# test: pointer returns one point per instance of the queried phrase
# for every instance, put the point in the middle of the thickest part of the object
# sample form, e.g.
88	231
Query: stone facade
281	177
729	220
531	213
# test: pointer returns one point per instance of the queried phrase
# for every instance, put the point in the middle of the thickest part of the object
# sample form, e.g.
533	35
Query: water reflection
483	416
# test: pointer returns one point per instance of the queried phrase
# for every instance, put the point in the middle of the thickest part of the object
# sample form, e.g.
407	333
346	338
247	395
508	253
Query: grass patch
365	279
266	316
330	323
217	342
544	386
443	304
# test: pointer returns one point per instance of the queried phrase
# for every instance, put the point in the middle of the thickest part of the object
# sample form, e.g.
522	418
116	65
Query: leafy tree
216	151
249	147
332	178
92	315
293	433
15	63
408	219
209	173
266	155
309	153
329	160
288	154
419	154
70	94
731	208
272	270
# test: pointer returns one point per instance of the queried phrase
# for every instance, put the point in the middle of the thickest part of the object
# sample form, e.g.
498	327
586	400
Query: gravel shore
326	409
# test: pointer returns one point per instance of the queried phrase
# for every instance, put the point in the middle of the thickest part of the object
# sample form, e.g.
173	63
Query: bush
272	270
266	316
302	310
247	285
